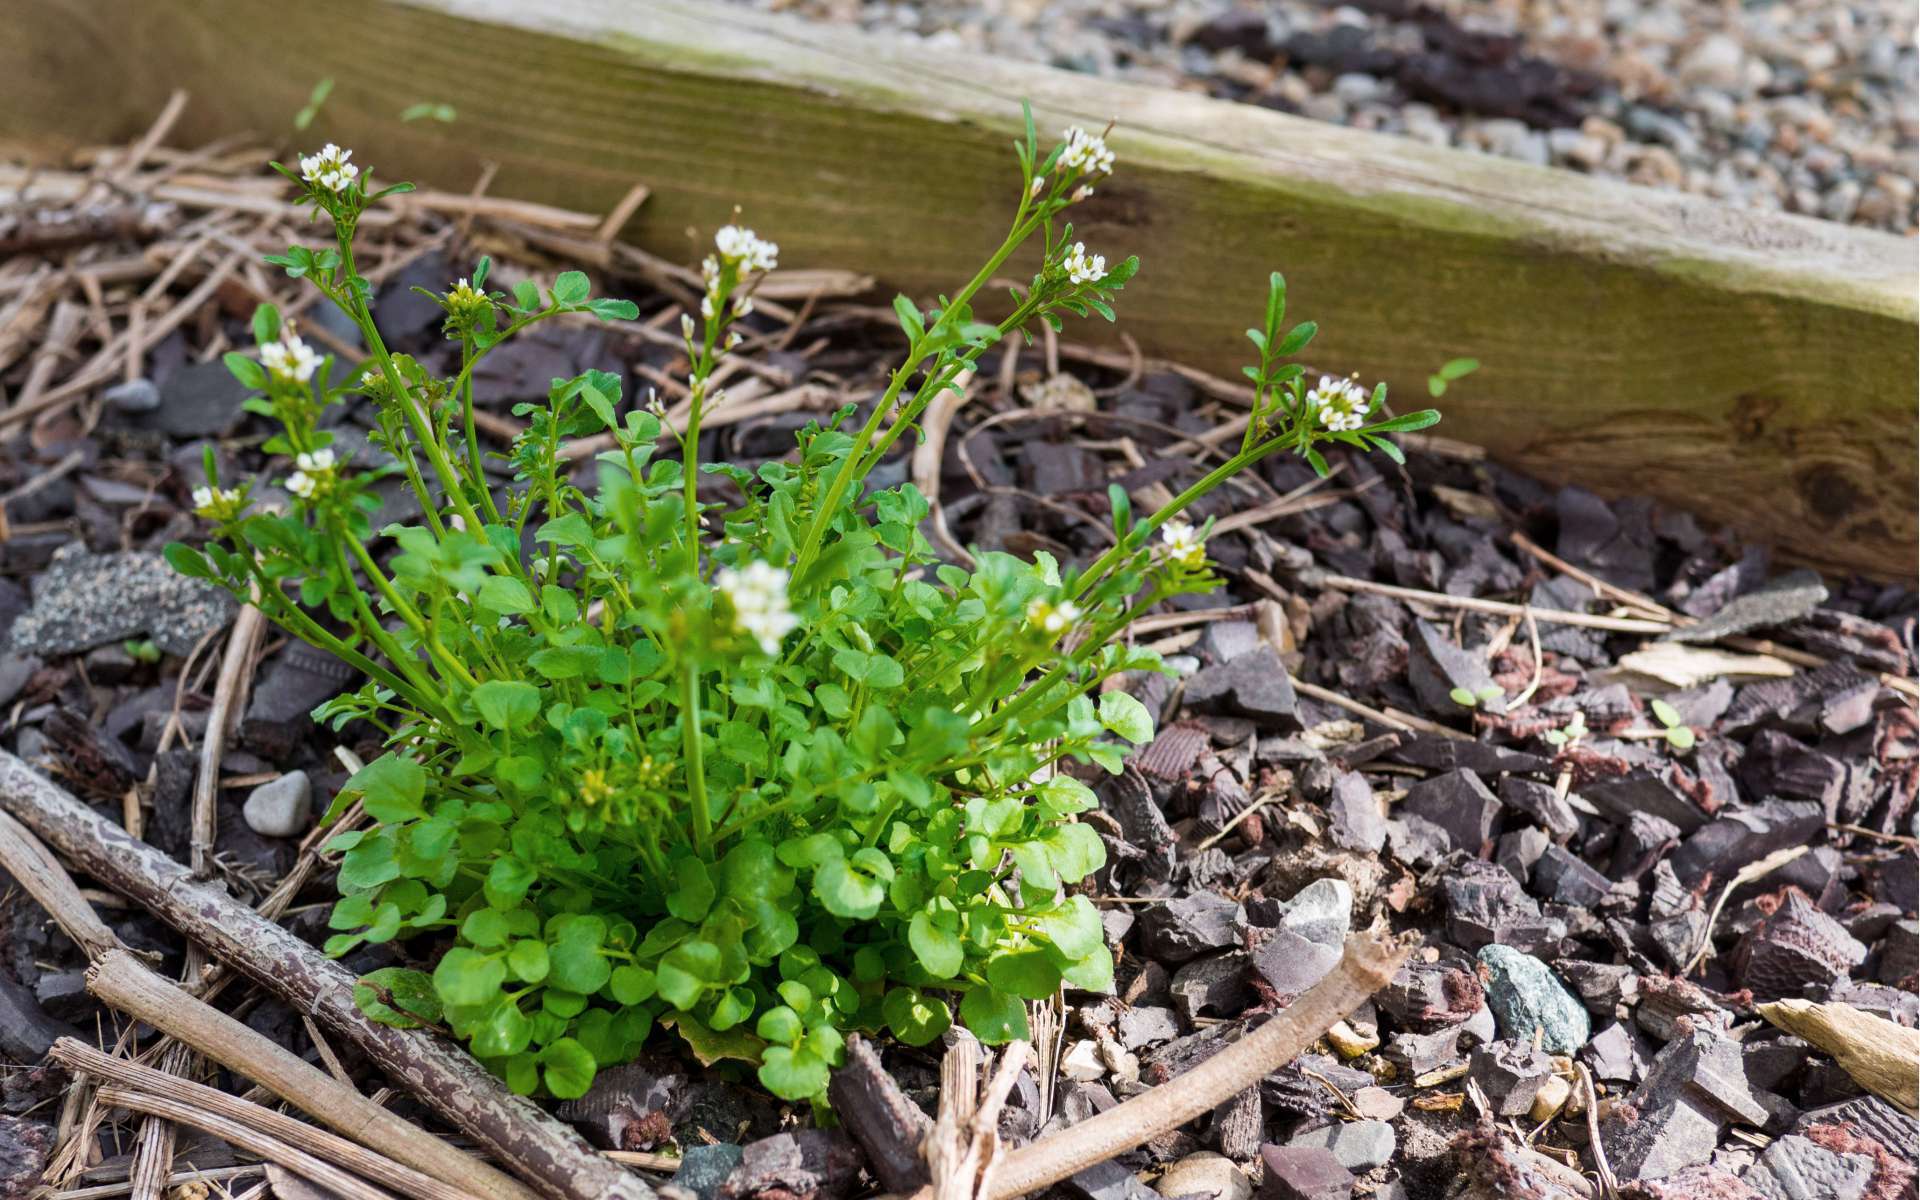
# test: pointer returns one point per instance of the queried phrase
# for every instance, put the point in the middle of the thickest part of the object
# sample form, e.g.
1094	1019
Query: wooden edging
1757	369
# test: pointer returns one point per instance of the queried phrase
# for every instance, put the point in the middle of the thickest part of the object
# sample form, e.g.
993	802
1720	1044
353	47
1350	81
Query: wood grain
1757	369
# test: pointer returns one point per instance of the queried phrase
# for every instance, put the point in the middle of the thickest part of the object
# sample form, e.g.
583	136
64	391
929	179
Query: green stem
843	478
694	752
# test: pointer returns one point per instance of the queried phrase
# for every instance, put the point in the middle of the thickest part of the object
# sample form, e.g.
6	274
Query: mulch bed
1602	912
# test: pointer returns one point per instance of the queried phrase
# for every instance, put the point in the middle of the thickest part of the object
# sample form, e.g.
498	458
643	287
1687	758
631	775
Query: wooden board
1756	369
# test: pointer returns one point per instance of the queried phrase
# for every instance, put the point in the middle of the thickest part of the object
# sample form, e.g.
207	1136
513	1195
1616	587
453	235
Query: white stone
280	807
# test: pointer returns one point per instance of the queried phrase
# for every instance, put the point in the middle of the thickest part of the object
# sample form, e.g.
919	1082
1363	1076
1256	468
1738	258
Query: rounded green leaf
467	977
846	891
391	787
915	1017
1127	717
1029	974
994	1017
780	1024
567	1068
399	997
632	985
937	948
527	959
507	703
693	891
505	1031
793	1074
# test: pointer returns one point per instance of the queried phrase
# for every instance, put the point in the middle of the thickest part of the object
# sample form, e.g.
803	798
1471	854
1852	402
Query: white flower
758	594
1341	403
1086	153
745	247
1082	192
315	463
686	326
329	168
290	358
1183	543
216	502
300	484
1052	617
1081	268
706	306
742	305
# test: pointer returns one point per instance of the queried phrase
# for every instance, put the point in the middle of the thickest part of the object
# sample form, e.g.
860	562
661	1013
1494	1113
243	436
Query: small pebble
280	807
134	396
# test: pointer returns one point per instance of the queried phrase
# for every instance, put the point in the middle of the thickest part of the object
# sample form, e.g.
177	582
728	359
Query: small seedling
1466	699
1450	372
141	650
423	111
315	100
1570	734
1679	735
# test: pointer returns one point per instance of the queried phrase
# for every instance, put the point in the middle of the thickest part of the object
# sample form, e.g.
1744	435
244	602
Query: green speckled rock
1524	995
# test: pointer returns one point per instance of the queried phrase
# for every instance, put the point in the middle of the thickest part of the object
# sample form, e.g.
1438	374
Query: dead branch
555	1159
1367	966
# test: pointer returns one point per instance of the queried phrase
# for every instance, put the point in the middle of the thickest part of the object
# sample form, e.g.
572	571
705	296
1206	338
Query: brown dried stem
79	1056
547	1153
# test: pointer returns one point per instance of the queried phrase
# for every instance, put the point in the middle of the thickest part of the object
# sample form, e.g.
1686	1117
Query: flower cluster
1184	545
743	246
329	169
1085	268
218	503
758	593
468	308
290	360
1086	153
1051	616
1342	404
315	467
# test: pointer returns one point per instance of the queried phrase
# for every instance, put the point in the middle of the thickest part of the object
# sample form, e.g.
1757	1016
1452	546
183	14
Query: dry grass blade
264	1121
298	1161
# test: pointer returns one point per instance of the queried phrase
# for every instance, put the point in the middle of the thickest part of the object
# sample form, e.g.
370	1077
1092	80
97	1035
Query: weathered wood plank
1757	369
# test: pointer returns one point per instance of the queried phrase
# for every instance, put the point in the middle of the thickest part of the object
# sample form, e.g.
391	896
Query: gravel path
1804	106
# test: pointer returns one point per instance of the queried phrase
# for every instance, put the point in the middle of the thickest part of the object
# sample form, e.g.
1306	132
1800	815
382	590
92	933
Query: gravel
1802	106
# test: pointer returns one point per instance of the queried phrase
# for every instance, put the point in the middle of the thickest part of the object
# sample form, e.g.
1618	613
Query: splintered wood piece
1881	1056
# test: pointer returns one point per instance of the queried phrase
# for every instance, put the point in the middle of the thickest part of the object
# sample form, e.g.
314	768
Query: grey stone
1291	963
1358	1145
1541	802
1458	803
1617	1054
1795	1168
1519	852
1484	904
1357	822
1321	912
280	807
1511	1073
1253	685
1303	1173
1786	599
1144	1025
1872	1117
1189	925
1795	946
1524	995
1731	841
1108	1181
84	600
1707	1066
1563	878
703	1168
1214	985
202	400
1435	667
134	396
1654	1143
